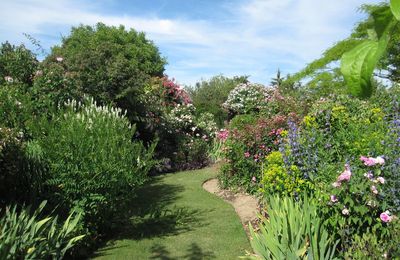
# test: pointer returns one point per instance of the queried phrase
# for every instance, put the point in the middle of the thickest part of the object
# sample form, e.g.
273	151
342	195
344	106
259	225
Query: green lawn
177	219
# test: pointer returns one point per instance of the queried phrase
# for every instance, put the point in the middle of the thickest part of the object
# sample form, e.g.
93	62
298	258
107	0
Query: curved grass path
177	219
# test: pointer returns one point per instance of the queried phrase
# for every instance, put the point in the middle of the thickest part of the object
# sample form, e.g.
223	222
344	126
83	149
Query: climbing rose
385	216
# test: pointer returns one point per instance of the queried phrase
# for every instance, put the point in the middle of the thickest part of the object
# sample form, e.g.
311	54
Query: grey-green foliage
25	235
293	230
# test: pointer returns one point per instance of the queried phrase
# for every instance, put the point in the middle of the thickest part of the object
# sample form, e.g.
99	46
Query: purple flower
334	198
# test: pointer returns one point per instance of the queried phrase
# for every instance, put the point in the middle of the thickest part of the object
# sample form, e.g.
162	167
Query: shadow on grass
152	214
194	252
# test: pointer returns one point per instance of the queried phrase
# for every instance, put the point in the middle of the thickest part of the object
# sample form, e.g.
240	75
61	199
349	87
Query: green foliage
359	63
17	64
278	179
110	64
208	96
395	7
26	235
293	230
93	163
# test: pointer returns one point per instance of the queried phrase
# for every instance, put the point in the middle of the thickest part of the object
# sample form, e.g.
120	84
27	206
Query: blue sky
200	38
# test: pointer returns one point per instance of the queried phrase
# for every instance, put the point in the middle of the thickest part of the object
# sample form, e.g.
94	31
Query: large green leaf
357	67
395	7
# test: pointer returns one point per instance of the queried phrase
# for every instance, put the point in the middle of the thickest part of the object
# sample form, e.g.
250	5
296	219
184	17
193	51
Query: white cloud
259	37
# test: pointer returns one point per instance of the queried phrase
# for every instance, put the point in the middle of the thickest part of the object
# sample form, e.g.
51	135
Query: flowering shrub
93	164
357	204
247	98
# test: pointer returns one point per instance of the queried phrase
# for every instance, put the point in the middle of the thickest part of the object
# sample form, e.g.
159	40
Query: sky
199	38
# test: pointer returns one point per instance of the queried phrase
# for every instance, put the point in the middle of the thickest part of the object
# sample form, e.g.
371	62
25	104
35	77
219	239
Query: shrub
93	163
293	230
17	64
110	64
247	98
281	179
26	235
208	96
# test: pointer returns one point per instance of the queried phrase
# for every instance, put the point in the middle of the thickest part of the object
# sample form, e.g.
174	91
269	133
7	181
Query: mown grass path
175	218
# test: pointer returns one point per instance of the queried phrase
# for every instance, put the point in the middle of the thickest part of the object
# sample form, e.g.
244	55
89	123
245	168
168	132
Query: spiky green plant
30	236
293	230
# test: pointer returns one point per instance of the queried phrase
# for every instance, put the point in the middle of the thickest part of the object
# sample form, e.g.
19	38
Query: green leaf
358	64
395	7
382	18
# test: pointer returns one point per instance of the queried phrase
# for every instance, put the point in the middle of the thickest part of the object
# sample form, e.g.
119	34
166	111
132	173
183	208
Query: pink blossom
385	216
345	175
223	134
334	198
336	184
247	154
374	190
254	179
371	161
381	180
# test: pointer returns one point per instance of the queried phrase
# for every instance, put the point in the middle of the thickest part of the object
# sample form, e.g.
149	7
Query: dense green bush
17	64
29	235
110	64
94	165
209	95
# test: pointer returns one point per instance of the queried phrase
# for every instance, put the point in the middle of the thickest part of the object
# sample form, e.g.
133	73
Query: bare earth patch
246	206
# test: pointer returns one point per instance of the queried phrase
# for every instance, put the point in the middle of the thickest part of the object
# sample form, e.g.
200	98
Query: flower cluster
174	94
247	98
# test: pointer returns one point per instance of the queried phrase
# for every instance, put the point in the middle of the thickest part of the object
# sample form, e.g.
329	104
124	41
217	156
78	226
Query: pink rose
345	175
386	217
368	161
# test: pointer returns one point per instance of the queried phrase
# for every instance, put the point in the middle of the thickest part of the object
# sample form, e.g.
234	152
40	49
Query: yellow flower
30	250
309	121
